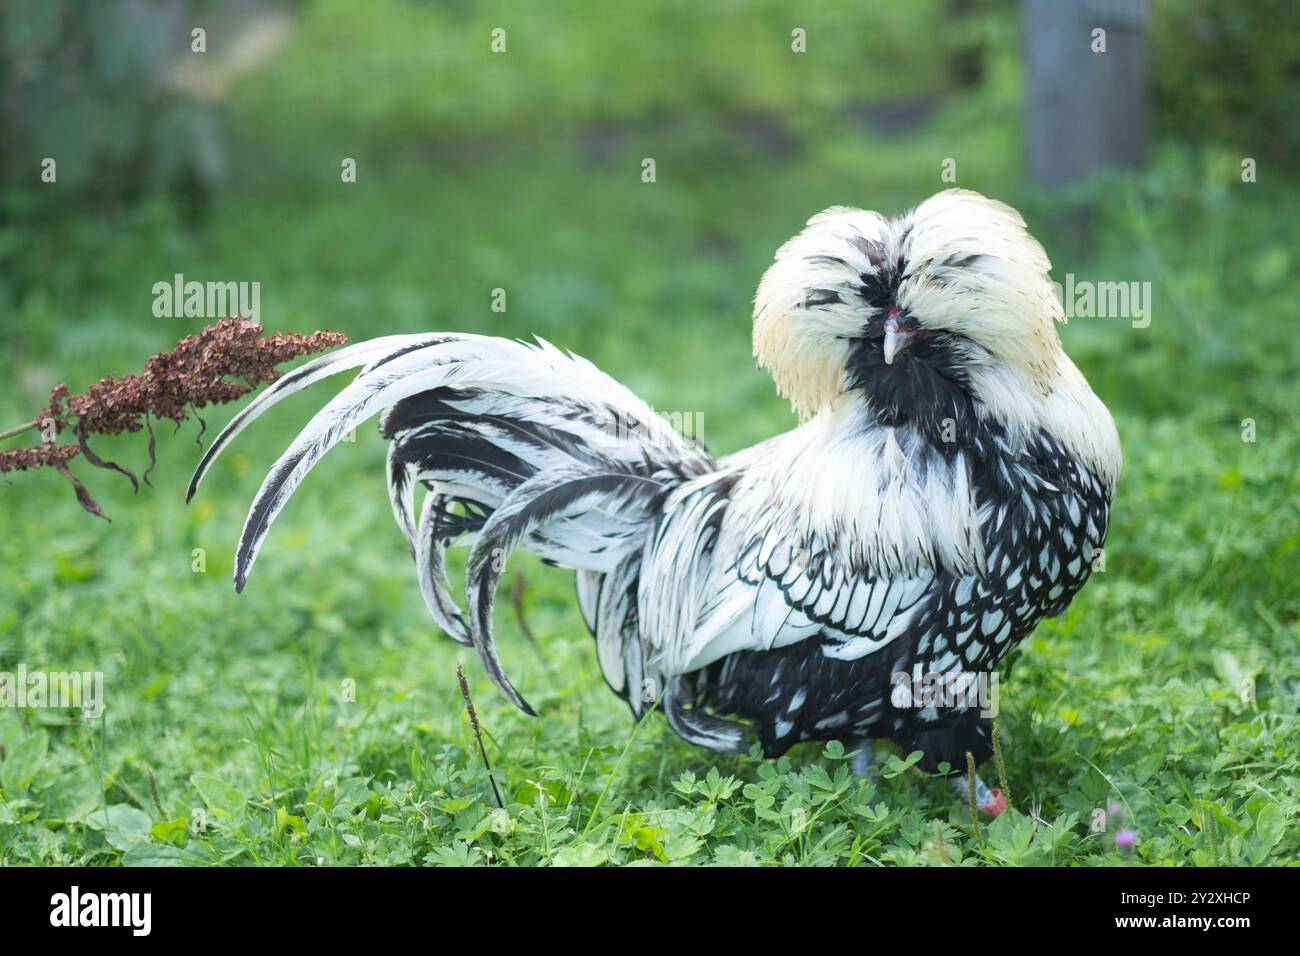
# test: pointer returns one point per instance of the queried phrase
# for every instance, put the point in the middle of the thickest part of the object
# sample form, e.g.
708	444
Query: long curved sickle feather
352	356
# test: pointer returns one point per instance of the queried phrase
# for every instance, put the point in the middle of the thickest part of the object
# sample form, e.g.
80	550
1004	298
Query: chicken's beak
896	338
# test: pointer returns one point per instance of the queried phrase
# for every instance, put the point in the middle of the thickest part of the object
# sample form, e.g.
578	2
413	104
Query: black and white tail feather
518	447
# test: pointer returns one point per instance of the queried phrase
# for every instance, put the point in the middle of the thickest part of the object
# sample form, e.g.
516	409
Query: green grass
240	710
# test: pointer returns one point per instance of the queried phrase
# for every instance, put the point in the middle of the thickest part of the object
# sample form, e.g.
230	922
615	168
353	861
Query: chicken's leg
990	801
863	762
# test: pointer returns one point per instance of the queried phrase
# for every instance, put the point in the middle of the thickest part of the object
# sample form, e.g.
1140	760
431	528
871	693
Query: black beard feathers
927	388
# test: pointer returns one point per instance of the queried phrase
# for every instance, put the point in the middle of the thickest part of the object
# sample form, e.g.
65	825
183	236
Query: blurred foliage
1229	74
88	86
428	67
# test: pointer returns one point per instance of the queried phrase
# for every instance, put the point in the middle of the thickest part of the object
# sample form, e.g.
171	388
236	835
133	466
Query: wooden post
1085	91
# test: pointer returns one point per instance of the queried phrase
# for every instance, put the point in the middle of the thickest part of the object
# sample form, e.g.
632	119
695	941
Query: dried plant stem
217	364
473	722
19	429
517	590
1001	764
153	790
970	797
83	496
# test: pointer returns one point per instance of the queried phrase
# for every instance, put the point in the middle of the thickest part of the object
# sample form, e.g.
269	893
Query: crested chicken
948	487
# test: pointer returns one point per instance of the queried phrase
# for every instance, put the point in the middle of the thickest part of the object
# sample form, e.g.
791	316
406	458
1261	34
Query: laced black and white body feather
931	509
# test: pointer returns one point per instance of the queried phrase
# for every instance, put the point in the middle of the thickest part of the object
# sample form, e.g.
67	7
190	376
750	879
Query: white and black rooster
949	486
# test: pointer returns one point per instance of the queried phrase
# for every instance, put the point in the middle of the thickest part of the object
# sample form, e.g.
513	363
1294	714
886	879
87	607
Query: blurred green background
522	170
